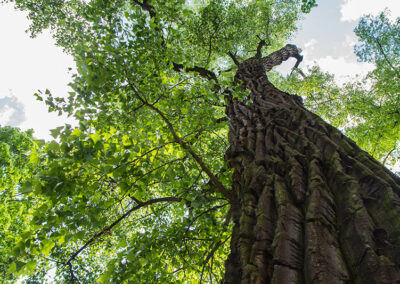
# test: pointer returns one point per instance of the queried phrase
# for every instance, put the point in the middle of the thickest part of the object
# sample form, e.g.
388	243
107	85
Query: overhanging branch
202	71
108	228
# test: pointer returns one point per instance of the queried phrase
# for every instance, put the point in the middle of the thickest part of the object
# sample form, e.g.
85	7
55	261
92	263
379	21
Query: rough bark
309	205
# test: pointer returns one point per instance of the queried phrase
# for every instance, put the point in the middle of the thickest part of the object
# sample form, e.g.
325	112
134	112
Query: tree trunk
310	206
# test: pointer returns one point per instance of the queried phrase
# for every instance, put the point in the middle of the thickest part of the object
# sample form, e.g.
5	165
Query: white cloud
311	44
6	113
12	111
344	68
349	41
28	65
352	10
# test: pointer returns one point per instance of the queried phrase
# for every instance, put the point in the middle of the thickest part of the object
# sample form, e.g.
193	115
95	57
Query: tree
380	40
141	191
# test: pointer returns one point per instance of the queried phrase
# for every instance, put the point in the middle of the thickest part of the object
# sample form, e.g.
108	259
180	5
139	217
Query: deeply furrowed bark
309	205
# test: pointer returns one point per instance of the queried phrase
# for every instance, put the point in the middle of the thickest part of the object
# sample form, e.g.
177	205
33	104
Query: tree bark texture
309	205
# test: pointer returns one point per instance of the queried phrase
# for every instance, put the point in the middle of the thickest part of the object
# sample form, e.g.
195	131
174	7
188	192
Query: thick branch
231	55
283	54
202	71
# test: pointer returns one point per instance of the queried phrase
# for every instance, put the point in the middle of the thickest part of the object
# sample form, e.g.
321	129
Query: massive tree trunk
310	206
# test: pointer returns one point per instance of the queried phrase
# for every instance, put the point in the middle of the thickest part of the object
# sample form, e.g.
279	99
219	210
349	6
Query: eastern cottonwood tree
188	165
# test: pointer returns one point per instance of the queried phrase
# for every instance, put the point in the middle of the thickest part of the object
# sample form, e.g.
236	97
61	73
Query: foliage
380	44
19	156
308	5
137	190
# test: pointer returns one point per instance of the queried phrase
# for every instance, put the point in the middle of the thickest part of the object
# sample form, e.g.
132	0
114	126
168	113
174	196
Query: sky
28	65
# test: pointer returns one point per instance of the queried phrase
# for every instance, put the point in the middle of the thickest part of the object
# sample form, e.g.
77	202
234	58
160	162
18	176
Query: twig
211	254
71	271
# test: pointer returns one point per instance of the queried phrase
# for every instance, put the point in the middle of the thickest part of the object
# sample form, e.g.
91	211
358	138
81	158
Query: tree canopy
137	192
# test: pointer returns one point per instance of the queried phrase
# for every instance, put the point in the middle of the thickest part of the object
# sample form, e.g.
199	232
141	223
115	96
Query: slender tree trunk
310	206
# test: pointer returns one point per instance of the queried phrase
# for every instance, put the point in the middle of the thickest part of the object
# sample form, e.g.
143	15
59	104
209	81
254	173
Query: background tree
366	108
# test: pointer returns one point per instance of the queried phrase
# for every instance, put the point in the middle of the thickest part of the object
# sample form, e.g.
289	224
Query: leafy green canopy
380	44
19	155
136	192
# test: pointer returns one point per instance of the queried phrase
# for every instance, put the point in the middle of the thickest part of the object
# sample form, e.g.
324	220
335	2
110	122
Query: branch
159	167
211	254
201	214
222	119
387	59
183	144
202	71
146	6
261	44
108	228
71	271
231	55
298	71
283	54
388	154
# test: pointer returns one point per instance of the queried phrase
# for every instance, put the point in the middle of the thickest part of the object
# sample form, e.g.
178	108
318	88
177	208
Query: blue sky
327	38
27	65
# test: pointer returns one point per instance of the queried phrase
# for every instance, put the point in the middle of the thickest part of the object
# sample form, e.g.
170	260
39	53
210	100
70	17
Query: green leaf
34	157
76	132
29	267
46	247
12	268
55	132
53	146
126	140
26	188
95	137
